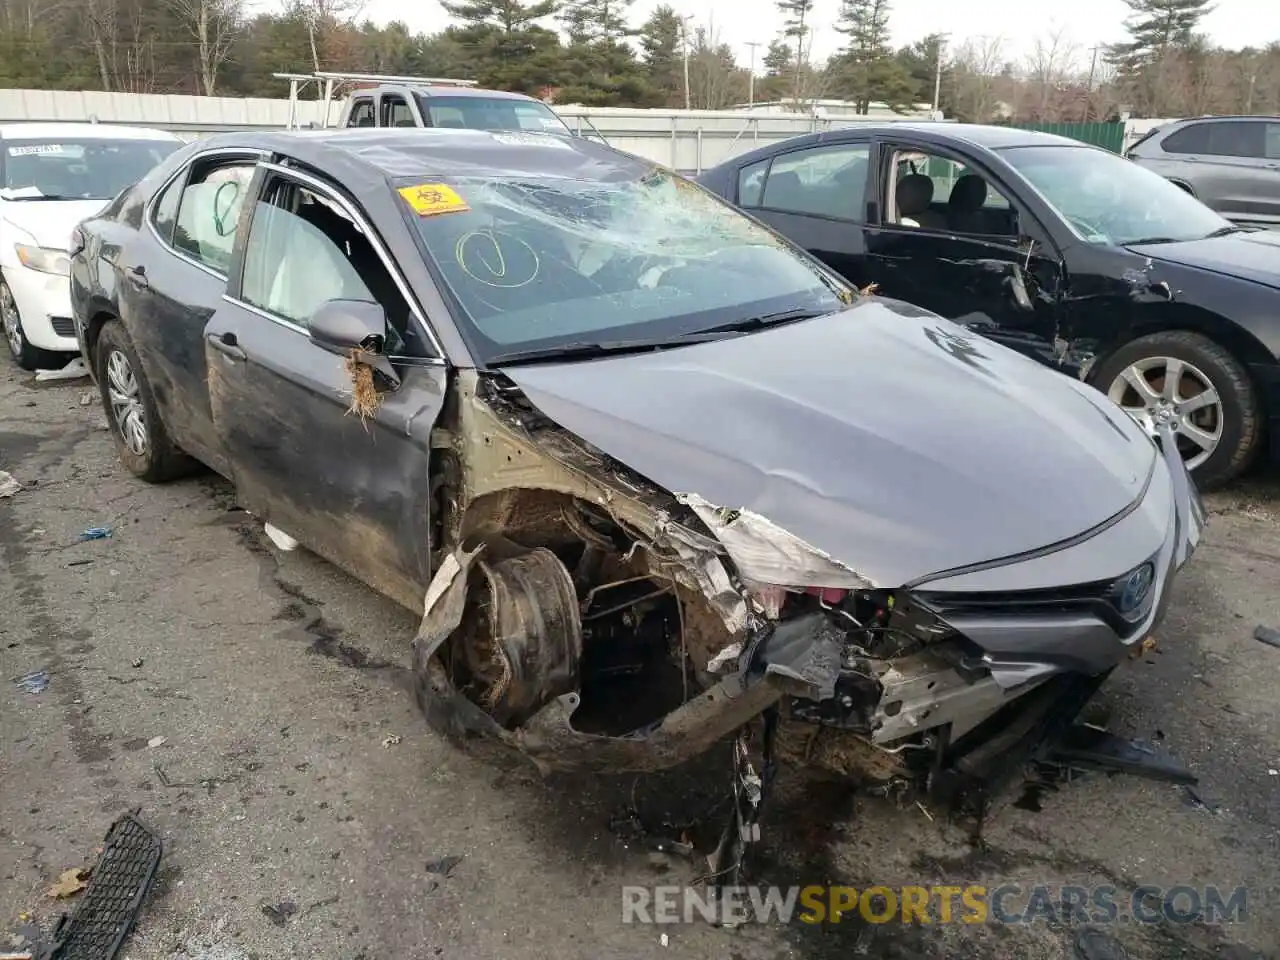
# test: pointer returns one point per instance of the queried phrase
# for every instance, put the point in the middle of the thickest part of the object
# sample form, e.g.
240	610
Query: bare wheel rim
1167	391
9	316
126	403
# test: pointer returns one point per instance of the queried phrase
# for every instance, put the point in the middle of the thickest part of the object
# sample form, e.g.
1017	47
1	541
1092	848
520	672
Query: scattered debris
1273	773
156	742
1095	945
163	777
72	371
280	538
390	740
1267	635
70	883
1197	801
79	563
137	662
8	485
96	533
869	289
279	913
118	885
443	866
365	398
664	940
86	399
35	682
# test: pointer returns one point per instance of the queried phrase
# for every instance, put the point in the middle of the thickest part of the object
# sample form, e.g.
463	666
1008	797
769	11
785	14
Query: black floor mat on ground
118	884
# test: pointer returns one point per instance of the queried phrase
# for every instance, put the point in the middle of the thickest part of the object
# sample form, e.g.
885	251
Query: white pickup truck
388	101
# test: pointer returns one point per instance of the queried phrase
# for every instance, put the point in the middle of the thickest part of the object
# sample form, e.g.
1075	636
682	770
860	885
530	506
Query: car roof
444	90
395	152
938	133
1219	118
83	131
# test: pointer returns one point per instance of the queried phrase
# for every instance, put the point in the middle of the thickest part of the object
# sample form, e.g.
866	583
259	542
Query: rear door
172	275
354	490
816	196
1234	165
955	240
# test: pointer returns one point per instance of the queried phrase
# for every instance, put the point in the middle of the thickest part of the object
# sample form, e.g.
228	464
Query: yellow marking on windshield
429	199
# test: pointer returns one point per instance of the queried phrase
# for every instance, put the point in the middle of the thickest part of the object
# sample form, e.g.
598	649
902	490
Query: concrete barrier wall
689	141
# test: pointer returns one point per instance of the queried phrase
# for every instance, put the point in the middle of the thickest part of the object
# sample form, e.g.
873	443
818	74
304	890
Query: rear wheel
1194	385
142	441
27	356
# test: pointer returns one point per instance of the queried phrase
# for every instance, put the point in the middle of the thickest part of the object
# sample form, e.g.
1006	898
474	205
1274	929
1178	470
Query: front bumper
44	303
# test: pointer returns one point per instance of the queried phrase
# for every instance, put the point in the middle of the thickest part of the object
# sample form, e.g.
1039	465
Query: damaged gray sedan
652	475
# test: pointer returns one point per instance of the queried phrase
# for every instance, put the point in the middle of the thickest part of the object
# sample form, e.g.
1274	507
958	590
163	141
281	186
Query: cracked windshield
539	262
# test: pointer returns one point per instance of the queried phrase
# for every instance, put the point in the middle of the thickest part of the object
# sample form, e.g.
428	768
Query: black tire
160	458
1242	421
27	356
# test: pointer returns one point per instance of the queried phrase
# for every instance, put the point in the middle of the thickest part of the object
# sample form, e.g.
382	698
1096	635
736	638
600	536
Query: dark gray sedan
650	471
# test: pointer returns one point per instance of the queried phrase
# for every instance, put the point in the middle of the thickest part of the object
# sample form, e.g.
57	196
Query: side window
395	112
828	181
934	192
362	114
751	184
303	249
1223	138
165	213
209	211
1273	141
1192	139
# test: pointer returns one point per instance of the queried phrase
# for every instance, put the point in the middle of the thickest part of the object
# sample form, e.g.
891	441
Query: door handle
138	273
226	344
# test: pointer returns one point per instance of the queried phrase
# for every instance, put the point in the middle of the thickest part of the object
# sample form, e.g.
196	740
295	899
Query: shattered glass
540	260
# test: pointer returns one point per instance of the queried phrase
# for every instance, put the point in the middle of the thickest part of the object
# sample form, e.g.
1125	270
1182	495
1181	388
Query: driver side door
354	489
953	240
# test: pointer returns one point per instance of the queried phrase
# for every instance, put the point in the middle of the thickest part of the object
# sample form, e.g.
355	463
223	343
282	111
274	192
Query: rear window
1219	138
491	113
73	168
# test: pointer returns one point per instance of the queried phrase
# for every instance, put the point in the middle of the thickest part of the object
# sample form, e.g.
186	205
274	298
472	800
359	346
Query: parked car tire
1214	406
141	439
27	356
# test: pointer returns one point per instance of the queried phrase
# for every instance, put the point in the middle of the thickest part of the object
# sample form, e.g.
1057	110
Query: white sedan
52	176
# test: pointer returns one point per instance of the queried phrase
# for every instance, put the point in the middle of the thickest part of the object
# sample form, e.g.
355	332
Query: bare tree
974	72
102	20
1052	63
214	24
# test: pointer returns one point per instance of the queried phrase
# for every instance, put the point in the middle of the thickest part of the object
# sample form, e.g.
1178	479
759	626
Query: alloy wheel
126	403
1167	391
12	325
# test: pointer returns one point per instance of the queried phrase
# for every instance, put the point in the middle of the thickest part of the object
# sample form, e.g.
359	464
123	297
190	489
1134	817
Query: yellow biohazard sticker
428	199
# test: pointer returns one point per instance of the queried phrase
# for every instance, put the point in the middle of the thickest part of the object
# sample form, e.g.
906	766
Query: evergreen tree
795	26
506	15
866	70
587	21
660	41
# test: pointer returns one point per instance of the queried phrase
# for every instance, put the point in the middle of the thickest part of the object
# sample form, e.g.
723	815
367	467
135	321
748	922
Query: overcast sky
1234	23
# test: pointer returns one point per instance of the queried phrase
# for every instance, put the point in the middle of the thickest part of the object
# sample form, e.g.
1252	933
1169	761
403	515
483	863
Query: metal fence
1110	136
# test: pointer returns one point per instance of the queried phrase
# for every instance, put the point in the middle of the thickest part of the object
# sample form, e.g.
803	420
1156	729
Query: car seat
913	196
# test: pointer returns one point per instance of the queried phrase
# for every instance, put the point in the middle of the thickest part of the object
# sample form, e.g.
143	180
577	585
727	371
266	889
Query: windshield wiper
1145	240
1225	231
589	350
50	196
768	320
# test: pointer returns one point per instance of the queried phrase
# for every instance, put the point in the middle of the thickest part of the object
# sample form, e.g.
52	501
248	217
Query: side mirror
341	326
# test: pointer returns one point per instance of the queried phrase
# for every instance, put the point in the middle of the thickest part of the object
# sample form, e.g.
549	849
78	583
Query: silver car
1231	164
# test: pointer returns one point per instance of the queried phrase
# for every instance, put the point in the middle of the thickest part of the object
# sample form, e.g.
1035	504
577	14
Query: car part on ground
1065	252
686	484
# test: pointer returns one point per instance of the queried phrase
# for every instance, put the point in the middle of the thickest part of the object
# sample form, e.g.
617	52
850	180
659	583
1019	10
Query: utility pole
684	42
751	74
937	75
1088	90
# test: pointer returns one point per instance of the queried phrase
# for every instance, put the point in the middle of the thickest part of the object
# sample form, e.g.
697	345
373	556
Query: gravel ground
306	809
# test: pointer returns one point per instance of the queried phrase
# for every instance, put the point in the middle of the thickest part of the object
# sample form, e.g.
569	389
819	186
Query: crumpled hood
50	222
895	441
1254	255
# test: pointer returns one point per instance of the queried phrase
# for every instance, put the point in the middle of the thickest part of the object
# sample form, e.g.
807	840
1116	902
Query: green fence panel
1110	136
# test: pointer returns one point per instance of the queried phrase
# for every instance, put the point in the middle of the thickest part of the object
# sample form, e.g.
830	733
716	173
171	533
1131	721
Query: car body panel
794	435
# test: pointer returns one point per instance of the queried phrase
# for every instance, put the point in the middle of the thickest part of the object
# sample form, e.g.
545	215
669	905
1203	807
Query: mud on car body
648	470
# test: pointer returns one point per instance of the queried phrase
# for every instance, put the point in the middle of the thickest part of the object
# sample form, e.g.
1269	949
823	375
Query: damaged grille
1122	603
